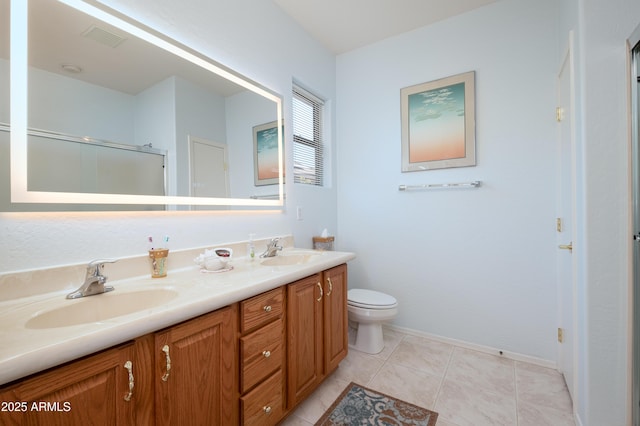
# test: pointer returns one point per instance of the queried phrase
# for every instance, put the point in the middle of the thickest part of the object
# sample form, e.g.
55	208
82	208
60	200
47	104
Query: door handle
567	246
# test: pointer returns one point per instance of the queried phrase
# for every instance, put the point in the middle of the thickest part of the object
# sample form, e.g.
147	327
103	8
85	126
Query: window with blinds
307	138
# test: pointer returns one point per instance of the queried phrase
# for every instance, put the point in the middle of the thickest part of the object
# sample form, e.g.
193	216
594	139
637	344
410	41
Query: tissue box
323	243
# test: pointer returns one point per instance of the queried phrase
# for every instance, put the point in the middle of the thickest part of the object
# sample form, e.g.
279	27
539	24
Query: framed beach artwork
265	153
438	124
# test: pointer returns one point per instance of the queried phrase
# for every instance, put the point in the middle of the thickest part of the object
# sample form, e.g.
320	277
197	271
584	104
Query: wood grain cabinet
96	390
317	332
196	371
262	357
186	375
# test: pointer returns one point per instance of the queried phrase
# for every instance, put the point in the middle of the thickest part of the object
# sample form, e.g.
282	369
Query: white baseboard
480	348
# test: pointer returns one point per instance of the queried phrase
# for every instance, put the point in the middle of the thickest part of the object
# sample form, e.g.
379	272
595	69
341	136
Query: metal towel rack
266	197
474	184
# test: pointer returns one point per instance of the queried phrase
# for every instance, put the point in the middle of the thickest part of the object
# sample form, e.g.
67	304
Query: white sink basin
293	258
100	307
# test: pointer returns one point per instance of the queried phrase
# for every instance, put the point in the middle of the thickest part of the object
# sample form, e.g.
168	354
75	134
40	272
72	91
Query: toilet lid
370	299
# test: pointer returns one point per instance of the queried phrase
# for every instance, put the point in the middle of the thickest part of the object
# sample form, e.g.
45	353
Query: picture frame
438	124
265	153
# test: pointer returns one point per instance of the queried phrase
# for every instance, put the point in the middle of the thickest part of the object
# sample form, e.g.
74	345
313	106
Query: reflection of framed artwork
438	124
265	153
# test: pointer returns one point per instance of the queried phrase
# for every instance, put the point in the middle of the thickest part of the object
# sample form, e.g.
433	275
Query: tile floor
466	387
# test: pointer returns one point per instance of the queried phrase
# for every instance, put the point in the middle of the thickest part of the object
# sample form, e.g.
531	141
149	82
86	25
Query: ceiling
62	39
343	25
340	25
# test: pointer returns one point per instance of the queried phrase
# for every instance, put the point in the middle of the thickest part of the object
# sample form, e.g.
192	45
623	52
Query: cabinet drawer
264	405
261	309
261	353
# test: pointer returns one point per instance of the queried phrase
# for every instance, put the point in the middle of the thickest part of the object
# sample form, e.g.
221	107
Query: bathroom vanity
243	347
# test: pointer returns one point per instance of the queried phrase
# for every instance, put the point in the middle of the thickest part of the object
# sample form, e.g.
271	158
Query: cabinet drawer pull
330	286
129	366
266	409
320	287
267	308
266	354
165	349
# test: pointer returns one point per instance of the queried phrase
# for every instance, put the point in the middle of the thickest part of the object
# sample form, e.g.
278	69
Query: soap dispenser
251	248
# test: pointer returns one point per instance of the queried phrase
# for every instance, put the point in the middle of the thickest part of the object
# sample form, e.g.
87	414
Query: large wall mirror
98	112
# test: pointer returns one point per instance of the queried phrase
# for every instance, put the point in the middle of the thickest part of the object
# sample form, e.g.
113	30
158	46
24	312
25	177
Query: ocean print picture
438	124
265	154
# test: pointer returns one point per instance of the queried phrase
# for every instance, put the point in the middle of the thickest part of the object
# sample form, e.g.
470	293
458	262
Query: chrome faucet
272	248
94	281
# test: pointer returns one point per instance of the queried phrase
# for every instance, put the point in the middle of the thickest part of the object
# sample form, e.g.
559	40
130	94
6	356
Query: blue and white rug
360	406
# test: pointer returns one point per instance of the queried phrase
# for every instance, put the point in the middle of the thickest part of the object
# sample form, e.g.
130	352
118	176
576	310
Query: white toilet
370	309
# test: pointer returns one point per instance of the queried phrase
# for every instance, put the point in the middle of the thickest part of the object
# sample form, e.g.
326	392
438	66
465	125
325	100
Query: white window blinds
307	138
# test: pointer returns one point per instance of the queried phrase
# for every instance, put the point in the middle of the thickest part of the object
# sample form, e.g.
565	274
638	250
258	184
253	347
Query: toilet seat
370	299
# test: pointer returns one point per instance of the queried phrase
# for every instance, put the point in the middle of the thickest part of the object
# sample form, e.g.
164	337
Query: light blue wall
476	265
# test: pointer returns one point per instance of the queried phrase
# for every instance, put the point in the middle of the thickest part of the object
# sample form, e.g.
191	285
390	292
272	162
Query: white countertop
25	350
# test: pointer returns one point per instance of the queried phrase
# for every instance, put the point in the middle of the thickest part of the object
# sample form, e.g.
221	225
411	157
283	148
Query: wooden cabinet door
304	337
196	371
91	391
336	338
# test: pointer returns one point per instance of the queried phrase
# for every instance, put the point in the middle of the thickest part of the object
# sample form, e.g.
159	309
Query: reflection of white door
566	264
209	173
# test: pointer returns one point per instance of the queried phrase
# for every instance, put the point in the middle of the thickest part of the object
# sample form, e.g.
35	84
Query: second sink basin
294	258
101	307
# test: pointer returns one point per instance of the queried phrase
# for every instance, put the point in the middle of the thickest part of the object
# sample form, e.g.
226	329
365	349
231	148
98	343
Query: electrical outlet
560	335
559	224
299	212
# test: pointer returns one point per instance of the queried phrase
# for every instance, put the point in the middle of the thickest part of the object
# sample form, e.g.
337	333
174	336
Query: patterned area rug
358	405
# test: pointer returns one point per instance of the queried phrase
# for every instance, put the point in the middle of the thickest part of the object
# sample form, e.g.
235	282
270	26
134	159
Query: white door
208	168
566	264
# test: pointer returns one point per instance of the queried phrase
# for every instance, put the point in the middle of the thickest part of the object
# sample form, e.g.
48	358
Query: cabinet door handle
266	409
129	366
266	354
330	286
320	287
267	308
165	349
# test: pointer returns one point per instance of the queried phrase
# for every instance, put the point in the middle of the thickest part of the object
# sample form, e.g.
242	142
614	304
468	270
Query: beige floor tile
407	384
313	407
483	371
542	386
294	420
466	405
537	415
466	387
442	422
428	356
358	367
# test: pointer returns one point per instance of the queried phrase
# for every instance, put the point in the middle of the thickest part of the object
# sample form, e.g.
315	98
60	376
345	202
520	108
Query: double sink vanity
239	347
243	346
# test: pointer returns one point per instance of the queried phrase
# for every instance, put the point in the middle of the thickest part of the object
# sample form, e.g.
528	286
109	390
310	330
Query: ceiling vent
103	36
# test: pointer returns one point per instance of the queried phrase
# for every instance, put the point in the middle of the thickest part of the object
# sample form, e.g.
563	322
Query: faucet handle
274	241
93	268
